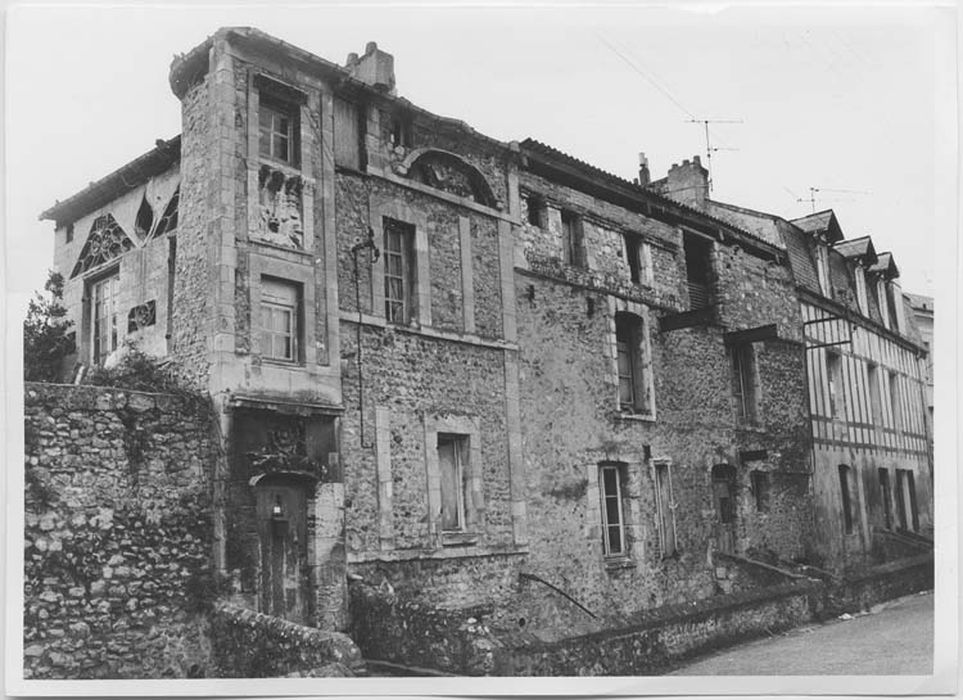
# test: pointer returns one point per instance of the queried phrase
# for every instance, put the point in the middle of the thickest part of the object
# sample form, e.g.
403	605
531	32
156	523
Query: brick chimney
687	183
375	67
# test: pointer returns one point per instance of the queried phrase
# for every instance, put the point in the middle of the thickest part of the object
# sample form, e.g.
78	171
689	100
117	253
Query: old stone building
866	371
472	375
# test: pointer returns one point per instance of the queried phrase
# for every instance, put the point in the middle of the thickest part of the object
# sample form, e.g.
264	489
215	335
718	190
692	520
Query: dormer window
861	297
822	269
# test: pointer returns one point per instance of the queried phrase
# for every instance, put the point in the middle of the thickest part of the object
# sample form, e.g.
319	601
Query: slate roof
858	248
822	222
885	266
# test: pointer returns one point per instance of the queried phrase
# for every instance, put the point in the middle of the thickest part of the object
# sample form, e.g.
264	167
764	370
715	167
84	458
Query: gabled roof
821	223
885	266
858	249
126	178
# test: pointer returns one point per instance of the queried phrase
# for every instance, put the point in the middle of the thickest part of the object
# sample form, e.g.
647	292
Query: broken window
142	316
348	134
744	383
759	481
535	210
399	270
635	388
105	334
145	219
106	242
278	124
697	269
400	134
610	493
573	243
453	471
168	220
280	319
844	478
665	509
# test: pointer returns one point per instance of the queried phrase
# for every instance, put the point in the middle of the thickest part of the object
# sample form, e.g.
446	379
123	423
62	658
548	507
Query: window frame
662	477
280	109
403	233
892	377
834	381
294	310
573	239
109	278
760	483
618	470
461	465
822	269
845	491
632	346
697	255
745	382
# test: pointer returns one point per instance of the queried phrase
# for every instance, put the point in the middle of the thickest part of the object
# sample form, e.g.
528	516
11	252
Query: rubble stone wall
117	540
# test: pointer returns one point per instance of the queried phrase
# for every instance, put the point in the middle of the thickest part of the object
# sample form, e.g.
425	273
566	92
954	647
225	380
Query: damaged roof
531	147
126	178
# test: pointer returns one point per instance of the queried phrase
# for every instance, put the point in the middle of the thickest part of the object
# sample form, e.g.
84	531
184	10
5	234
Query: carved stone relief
279	204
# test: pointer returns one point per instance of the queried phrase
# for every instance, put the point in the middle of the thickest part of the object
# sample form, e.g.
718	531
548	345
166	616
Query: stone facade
481	376
118	542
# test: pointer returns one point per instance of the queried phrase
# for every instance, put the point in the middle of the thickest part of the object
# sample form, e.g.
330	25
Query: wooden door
282	519
724	497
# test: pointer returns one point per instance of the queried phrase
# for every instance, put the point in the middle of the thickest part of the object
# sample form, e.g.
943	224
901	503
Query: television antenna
710	149
813	190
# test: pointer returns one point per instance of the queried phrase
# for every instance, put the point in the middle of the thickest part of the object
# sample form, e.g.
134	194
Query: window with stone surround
638	255
280	320
398	270
105	317
745	385
348	134
633	364
535	209
759	482
613	521
453	460
698	266
278	131
665	507
573	239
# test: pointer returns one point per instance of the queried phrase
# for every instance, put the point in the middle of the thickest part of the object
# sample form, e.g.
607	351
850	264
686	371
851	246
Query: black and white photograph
576	349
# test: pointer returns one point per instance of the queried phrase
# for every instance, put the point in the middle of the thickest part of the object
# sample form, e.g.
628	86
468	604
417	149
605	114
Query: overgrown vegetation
47	339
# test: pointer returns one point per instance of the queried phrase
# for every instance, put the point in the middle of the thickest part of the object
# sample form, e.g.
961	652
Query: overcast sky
828	98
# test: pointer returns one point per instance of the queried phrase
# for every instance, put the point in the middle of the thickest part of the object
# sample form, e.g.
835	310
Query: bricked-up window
759	480
399	270
635	390
453	468
744	382
535	210
834	384
875	400
844	490
697	270
279	129
665	509
348	134
886	496
280	319
613	525
105	316
573	242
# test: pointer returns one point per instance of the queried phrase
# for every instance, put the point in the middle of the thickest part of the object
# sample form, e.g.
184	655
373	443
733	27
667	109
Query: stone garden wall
117	538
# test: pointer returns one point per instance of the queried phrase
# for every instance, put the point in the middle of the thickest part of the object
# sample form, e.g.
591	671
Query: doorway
724	499
282	531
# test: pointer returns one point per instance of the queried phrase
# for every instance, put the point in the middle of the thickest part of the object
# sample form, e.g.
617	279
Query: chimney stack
688	183
375	67
644	177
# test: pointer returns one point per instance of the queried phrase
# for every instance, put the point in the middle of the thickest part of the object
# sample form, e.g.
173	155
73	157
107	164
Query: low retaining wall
249	644
654	642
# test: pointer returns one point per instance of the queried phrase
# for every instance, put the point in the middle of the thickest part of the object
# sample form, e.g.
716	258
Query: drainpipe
359	245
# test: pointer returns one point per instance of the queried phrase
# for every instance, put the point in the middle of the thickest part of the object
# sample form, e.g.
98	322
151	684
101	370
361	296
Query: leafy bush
46	337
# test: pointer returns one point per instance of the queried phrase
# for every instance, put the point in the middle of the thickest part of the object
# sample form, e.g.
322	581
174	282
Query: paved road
895	639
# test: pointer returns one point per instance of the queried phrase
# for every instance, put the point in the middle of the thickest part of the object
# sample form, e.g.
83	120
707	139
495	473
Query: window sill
635	417
275	246
287	364
618	563
750	427
459	539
